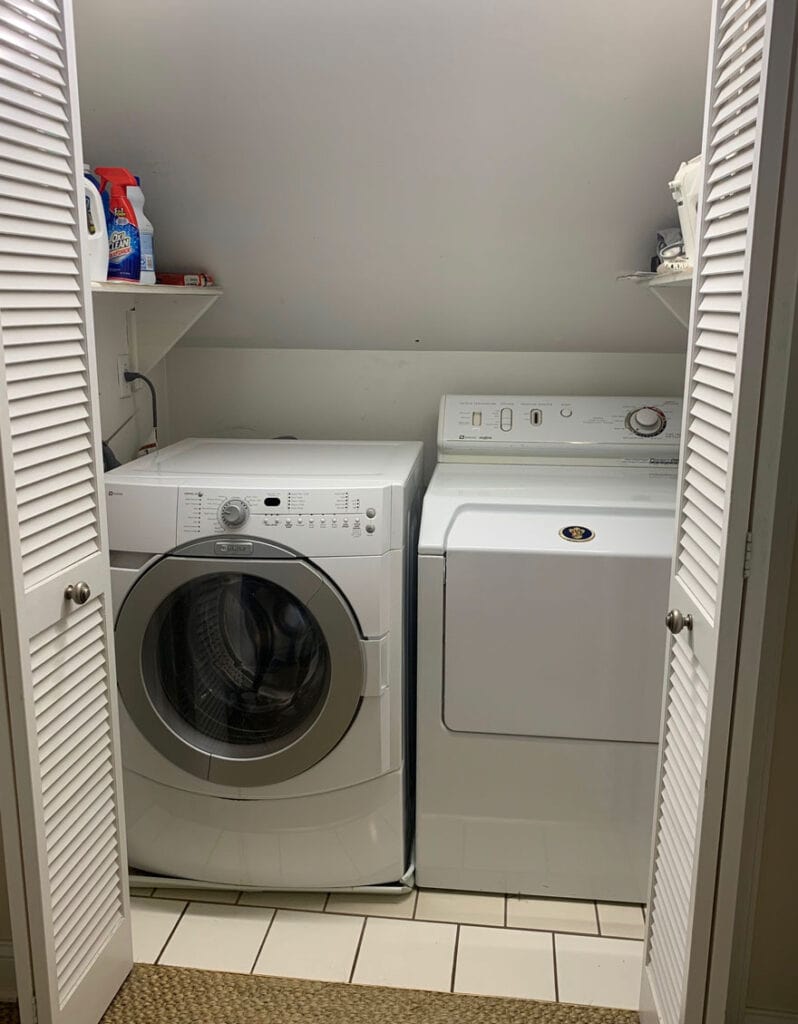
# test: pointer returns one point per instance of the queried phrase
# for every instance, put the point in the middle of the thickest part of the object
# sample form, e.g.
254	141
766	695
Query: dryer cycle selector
646	421
234	512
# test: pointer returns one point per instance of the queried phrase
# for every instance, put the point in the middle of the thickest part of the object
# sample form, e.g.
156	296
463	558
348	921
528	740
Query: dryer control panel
546	428
329	521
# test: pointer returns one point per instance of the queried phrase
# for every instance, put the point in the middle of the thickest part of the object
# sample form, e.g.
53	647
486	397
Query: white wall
402	174
134	414
379	395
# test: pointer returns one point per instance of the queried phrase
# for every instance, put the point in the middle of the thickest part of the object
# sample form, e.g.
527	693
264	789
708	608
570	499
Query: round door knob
78	592
646	422
234	512
676	622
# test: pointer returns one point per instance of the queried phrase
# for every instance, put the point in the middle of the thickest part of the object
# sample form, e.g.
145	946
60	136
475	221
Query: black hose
130	376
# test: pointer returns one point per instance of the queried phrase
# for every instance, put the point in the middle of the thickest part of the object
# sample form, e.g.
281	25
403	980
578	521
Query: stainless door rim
174	738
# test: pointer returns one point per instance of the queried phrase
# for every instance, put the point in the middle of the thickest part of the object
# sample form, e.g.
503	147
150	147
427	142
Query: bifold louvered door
57	648
750	51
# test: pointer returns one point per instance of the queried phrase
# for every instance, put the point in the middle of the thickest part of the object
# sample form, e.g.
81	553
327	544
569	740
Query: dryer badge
577	534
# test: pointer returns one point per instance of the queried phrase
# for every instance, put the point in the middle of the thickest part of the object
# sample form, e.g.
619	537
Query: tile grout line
326	903
598	919
554	958
454	959
263	942
172	932
497	927
506	899
415	904
357	949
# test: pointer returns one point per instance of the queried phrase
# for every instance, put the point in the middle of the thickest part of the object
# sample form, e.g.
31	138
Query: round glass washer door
244	672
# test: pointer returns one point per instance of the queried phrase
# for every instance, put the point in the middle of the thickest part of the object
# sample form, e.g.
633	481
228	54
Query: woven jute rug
175	995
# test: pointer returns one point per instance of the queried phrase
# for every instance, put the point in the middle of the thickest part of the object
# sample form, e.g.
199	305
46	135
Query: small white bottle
136	197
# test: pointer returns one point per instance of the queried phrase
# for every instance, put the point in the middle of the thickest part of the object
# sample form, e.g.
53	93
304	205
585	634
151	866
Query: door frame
14	879
772	525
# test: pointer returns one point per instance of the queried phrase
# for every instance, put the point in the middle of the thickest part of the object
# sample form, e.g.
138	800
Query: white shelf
156	315
673	288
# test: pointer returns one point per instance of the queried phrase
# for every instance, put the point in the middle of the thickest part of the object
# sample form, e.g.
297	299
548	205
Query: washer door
243	672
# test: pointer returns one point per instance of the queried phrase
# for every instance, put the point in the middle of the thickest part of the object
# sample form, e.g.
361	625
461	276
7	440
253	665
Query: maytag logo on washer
577	534
236	547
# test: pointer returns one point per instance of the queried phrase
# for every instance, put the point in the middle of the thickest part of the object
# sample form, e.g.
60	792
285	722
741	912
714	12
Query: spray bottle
124	243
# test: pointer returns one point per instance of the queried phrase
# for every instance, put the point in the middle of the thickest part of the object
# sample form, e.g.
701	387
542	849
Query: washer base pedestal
357	838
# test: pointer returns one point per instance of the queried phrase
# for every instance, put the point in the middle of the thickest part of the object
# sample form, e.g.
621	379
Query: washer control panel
322	521
533	428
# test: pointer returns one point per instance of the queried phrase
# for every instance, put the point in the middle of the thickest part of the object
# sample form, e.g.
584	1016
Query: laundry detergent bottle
124	242
95	233
145	234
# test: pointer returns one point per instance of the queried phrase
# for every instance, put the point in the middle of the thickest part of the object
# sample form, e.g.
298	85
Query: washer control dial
646	421
234	512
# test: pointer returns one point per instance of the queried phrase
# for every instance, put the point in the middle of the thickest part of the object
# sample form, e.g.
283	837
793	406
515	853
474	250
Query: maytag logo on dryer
577	534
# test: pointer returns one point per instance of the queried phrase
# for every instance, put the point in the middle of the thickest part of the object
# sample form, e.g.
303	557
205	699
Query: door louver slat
742	141
40	473
96	837
75	838
66	448
720	303
72	749
725	245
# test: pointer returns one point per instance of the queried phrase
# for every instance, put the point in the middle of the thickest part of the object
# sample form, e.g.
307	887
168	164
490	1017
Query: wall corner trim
8	980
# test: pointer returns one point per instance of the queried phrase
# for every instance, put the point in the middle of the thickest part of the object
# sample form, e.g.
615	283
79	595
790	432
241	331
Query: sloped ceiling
391	174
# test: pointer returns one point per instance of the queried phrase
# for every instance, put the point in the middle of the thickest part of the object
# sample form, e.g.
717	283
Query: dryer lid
566	530
462	499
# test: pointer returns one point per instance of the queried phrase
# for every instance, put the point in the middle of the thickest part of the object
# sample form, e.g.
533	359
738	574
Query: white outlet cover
122	366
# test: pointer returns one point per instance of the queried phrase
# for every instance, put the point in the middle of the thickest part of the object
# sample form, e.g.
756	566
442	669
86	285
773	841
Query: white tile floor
578	952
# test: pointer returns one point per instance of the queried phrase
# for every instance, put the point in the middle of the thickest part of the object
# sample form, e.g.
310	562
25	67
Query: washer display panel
242	672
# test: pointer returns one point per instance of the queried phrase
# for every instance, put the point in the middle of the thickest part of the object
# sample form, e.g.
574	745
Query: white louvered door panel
58	654
744	124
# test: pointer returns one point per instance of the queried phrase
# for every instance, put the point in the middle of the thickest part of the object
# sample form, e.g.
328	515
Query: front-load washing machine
264	609
544	558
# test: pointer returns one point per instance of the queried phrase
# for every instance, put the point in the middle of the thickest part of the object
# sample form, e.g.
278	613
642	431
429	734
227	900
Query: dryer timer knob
646	422
234	512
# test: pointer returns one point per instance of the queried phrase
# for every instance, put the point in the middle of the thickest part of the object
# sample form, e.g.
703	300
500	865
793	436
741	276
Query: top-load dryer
264	606
544	556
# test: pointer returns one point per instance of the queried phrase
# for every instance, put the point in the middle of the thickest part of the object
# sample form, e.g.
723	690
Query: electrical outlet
122	366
